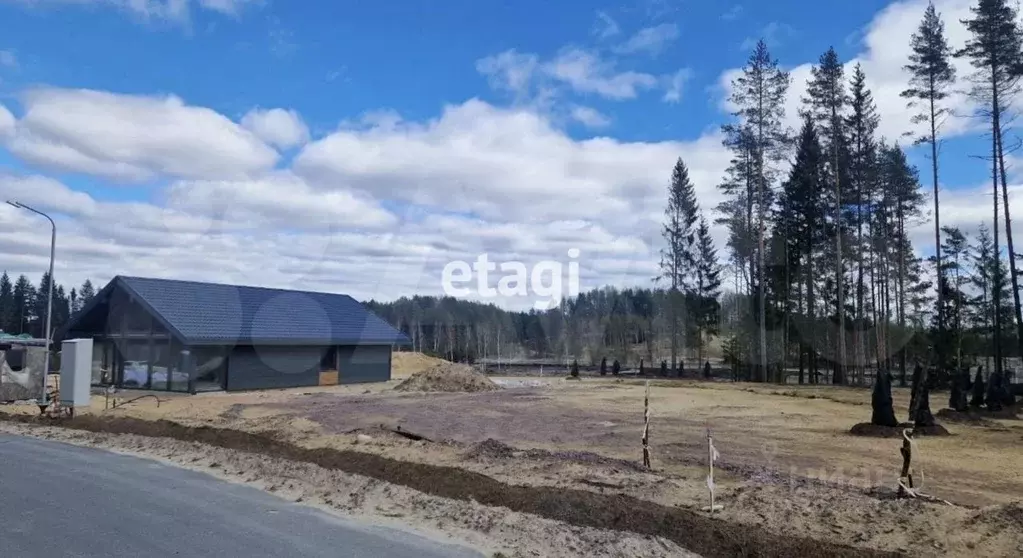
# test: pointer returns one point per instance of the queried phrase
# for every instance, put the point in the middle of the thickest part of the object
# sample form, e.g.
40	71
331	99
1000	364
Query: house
189	336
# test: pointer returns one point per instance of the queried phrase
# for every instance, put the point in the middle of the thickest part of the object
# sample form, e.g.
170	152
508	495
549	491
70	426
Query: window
329	359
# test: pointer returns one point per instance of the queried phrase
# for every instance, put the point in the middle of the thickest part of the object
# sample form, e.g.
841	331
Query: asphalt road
99	504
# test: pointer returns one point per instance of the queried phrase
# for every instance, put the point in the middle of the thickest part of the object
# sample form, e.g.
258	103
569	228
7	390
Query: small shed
174	335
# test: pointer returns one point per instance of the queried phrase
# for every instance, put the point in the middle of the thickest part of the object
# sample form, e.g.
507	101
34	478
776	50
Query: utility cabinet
76	372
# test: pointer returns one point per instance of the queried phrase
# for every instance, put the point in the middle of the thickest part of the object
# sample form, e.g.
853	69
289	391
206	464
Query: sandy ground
787	460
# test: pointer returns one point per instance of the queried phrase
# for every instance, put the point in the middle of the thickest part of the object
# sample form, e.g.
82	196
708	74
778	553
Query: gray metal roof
216	314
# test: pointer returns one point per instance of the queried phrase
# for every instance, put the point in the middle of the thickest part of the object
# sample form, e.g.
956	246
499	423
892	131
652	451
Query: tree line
23	305
818	218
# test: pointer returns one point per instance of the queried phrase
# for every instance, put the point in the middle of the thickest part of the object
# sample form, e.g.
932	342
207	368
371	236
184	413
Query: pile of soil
448	377
877	431
970	417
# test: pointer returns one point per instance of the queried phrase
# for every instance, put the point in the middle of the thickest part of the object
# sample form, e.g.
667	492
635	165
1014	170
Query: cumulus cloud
376	208
133	138
280	127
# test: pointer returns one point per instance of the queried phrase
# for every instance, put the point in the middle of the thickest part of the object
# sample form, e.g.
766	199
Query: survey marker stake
646	426
712	455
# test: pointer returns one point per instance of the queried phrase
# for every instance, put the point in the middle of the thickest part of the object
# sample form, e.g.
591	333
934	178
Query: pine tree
678	258
759	93
708	285
932	76
995	49
7	321
862	124
827	100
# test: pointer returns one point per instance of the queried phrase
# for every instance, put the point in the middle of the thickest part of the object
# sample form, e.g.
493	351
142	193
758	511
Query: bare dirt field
788	464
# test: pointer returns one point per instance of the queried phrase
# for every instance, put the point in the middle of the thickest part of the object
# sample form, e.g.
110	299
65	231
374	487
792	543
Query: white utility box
75	372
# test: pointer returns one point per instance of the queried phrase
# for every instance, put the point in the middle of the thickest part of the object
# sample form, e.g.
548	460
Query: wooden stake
646	426
712	454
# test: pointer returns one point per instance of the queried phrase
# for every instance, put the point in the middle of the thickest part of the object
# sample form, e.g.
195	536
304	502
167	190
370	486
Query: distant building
174	335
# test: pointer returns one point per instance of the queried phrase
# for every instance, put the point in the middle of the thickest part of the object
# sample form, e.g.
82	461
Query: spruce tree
995	49
708	285
679	256
800	215
86	292
759	95
862	124
24	297
827	100
932	77
7	322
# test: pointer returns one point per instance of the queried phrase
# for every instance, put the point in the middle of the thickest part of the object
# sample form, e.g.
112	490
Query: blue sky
248	122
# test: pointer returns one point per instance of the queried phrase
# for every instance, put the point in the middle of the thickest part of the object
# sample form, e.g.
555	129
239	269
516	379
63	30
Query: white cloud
886	49
376	208
585	72
589	117
606	26
650	40
280	127
505	164
138	138
774	34
8	59
509	71
674	84
151	10
7	123
733	13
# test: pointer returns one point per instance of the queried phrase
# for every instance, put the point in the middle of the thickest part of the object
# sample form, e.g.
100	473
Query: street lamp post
49	296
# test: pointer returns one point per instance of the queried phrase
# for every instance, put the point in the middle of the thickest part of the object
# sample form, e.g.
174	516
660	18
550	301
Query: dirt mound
970	417
877	431
707	536
449	377
406	363
490	449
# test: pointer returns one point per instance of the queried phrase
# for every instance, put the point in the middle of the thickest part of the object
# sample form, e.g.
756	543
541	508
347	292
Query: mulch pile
699	533
448	377
870	430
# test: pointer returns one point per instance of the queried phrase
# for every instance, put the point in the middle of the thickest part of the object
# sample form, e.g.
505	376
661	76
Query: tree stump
881	401
977	399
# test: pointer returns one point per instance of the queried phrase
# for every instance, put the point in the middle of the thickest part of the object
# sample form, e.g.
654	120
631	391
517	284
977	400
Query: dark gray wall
273	367
362	364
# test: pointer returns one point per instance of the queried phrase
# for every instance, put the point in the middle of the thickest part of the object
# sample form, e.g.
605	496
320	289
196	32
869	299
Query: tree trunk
839	377
937	229
1012	253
